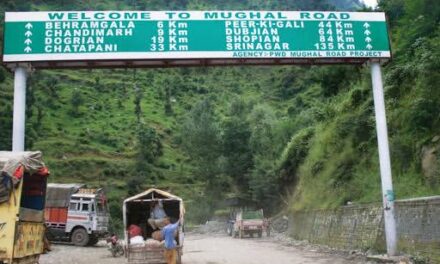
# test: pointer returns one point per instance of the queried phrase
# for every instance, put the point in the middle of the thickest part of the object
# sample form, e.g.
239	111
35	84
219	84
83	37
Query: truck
250	222
76	214
23	180
136	211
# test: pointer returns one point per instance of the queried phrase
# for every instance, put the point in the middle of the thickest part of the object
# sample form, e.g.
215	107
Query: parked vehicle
250	223
23	179
75	213
136	211
115	246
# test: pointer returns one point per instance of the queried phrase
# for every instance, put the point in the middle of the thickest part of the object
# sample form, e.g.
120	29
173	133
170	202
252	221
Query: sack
151	243
137	241
134	230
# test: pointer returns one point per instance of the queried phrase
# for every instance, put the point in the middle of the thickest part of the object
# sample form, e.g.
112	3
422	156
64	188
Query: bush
295	153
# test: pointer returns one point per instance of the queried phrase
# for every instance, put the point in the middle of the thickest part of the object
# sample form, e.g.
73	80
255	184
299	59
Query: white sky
370	3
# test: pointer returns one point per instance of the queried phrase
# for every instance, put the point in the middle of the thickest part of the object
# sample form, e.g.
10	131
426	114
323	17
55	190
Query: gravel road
208	249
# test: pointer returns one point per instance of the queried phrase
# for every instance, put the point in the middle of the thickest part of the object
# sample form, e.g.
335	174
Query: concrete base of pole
387	259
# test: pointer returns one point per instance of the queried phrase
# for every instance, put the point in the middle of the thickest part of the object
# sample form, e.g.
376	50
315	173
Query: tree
149	144
40	114
201	141
134	185
168	86
76	100
51	85
98	85
138	94
149	149
5	126
2	75
262	183
235	142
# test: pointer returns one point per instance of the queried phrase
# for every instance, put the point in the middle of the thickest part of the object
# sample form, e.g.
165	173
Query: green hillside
281	137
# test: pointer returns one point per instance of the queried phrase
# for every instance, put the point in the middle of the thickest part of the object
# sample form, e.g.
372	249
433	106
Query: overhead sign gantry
197	38
179	38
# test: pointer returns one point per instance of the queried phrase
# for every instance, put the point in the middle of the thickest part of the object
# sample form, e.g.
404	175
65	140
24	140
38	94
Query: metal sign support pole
18	128
384	159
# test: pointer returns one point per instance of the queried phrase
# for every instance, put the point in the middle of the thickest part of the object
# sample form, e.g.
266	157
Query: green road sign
44	38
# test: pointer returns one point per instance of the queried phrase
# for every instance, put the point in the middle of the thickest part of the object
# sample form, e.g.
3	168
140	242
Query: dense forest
280	137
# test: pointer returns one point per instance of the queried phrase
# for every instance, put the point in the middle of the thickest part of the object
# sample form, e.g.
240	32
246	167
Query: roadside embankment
360	227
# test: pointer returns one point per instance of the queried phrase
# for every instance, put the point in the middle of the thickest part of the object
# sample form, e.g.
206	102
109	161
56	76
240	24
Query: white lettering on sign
244	15
257	35
324	15
99	15
80	48
84	36
91	24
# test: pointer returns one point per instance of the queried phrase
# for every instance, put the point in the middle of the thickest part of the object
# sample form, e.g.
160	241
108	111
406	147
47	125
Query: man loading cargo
168	234
157	215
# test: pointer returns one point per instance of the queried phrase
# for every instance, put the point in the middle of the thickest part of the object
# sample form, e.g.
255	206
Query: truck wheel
80	237
48	235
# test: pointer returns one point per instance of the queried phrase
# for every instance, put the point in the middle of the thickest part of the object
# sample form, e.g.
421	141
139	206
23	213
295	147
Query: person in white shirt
157	215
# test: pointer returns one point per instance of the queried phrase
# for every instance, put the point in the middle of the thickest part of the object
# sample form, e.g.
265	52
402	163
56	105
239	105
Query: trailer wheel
80	237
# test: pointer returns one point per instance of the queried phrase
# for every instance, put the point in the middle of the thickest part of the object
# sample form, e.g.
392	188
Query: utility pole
384	159
18	127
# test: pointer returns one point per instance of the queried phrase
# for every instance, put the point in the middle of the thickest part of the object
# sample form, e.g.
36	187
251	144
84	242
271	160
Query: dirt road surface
206	249
203	249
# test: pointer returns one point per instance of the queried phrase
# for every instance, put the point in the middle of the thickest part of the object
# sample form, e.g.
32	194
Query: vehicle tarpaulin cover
58	194
13	165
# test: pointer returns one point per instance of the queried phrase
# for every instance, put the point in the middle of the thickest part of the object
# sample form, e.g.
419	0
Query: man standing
157	215
168	234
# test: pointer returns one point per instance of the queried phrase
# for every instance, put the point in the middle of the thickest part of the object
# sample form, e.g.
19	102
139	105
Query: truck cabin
137	210
89	200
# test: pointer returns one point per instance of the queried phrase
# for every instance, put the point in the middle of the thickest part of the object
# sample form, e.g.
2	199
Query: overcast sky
371	3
